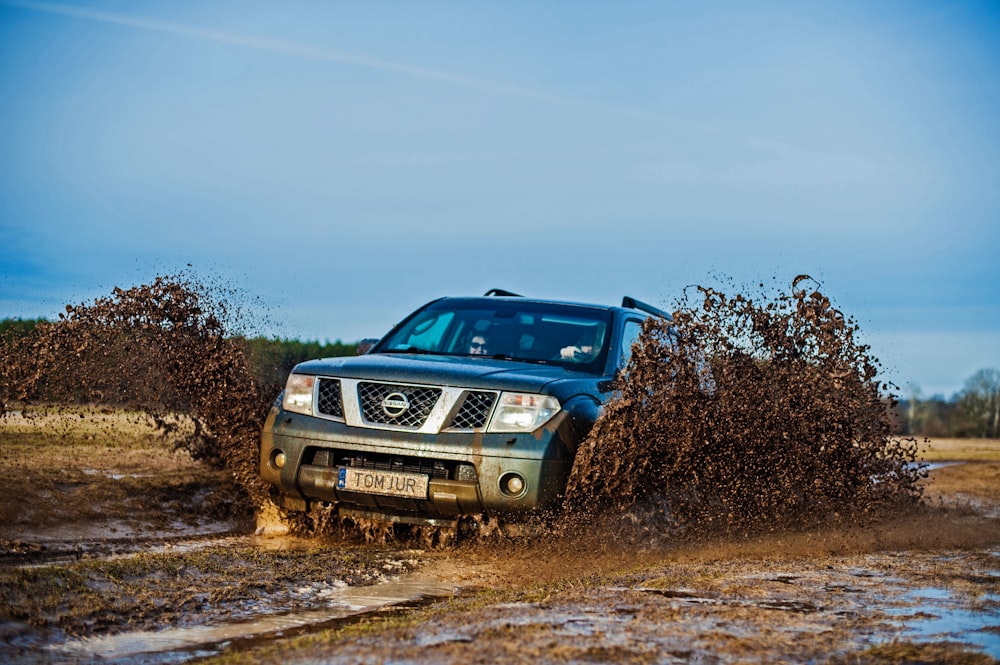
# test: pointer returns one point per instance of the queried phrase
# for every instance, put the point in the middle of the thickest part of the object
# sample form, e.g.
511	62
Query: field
117	547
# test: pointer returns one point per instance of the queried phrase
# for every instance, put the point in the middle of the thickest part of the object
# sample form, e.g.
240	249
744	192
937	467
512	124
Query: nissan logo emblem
395	404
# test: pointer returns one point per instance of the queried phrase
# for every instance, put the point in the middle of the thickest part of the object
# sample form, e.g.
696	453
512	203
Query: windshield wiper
505	356
414	350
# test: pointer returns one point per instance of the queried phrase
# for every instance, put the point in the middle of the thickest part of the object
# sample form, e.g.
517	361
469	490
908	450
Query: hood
485	373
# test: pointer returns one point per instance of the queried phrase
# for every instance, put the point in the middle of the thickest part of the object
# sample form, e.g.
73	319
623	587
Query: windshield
551	333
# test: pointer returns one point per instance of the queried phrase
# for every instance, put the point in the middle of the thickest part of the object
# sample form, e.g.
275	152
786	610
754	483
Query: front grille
420	399
474	411
328	400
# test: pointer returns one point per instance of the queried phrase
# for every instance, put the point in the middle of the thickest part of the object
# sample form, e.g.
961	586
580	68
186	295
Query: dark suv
468	406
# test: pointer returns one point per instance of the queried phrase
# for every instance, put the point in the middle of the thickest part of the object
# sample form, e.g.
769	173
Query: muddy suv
469	406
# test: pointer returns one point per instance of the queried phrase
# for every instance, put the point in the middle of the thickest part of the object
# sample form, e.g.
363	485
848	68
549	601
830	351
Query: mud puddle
176	601
84	541
174	645
934	614
693	606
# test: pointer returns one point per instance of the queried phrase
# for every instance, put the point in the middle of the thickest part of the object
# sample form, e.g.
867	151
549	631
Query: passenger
478	345
581	351
584	350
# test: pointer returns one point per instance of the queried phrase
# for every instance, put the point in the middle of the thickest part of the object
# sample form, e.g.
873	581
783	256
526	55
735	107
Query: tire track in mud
179	600
177	644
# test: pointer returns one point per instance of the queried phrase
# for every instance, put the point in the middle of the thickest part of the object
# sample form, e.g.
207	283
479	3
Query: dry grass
50	437
979	480
68	466
960	450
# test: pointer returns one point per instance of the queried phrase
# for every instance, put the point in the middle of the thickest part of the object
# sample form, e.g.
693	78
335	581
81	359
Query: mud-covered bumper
374	470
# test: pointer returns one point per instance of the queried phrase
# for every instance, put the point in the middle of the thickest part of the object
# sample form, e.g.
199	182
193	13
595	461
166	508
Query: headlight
299	394
523	412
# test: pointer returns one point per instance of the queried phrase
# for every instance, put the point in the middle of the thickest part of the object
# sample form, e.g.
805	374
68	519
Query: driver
478	345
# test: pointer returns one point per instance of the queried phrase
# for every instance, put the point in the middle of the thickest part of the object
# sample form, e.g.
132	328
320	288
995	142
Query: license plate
388	483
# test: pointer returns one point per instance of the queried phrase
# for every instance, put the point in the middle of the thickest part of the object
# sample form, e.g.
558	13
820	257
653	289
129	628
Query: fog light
278	459
512	484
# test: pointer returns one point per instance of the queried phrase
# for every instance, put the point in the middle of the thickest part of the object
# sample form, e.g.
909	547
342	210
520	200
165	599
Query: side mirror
365	345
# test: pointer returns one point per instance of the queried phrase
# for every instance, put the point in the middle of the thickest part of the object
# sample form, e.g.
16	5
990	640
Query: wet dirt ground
115	547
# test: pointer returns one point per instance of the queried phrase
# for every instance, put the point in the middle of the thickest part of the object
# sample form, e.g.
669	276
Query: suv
469	406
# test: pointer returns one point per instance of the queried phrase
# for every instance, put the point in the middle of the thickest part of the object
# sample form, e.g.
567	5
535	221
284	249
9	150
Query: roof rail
501	292
632	303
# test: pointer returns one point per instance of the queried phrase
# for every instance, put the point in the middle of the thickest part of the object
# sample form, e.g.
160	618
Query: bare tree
980	403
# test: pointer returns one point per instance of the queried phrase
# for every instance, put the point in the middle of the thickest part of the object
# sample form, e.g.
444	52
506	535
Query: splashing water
743	415
162	349
739	415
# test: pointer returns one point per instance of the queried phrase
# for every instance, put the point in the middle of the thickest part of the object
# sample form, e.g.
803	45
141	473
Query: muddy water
747	413
695	606
181	644
934	614
163	348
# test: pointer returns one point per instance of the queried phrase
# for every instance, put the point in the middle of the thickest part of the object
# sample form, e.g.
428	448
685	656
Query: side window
630	334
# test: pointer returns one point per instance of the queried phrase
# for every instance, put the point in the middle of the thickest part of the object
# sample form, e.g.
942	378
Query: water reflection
936	614
181	644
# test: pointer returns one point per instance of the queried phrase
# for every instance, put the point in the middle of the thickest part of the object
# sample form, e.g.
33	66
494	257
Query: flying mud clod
162	349
746	415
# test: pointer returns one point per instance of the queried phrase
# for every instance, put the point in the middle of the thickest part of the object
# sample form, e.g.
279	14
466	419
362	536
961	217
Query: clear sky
344	162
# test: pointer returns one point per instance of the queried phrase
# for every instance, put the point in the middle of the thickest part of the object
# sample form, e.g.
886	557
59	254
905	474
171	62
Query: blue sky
343	162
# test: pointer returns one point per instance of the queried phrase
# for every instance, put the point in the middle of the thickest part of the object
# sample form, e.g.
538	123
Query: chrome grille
474	411
328	400
421	400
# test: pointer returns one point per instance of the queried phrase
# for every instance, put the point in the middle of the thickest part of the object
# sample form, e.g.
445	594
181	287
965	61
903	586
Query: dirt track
119	549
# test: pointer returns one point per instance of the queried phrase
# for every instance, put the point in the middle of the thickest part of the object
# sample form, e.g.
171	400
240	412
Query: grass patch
80	465
904	652
968	479
960	450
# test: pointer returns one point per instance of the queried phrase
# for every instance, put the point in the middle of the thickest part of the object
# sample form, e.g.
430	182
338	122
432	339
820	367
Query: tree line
972	412
272	359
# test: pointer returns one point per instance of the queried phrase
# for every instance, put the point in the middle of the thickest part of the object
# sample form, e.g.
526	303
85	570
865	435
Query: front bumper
466	471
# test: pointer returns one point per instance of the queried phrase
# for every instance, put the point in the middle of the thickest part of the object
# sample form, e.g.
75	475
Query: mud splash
747	414
743	413
162	349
